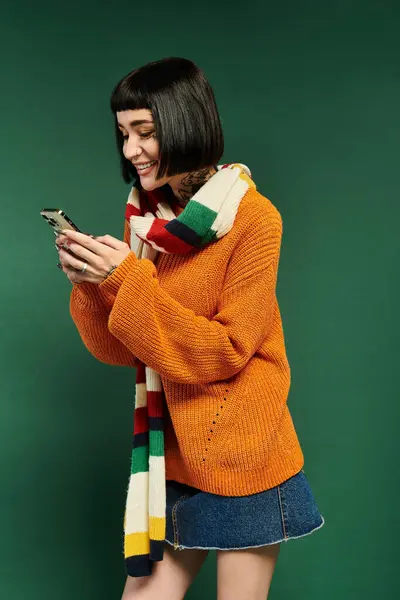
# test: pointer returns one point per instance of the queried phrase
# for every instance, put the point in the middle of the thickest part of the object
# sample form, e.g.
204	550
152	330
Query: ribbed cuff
86	295
114	281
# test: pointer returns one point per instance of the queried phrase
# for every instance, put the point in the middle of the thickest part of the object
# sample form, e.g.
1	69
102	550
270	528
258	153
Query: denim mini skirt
201	520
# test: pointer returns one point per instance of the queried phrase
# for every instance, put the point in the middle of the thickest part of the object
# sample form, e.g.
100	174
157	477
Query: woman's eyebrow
137	122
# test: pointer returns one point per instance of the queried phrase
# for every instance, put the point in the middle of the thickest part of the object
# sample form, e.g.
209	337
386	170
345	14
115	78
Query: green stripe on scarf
140	459
199	218
156	443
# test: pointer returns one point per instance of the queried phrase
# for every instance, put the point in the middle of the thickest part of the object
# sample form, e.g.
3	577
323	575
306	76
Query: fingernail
59	266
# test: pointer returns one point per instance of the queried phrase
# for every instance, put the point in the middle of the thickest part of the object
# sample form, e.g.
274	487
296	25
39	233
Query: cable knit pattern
209	324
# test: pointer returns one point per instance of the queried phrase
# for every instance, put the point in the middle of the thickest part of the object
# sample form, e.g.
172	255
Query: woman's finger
86	241
61	239
70	262
112	242
83	253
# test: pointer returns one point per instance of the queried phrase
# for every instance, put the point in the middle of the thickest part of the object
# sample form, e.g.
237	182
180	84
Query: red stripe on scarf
155	404
154	198
131	211
141	373
141	423
171	243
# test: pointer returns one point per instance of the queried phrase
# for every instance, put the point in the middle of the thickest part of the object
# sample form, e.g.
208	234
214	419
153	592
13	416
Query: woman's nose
132	150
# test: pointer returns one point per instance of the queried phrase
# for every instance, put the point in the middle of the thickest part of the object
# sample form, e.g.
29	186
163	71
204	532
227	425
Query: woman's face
141	146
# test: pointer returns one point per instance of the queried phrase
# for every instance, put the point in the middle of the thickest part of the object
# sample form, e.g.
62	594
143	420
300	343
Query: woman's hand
100	255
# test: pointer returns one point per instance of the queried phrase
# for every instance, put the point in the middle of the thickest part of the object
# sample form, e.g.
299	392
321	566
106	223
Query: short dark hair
184	110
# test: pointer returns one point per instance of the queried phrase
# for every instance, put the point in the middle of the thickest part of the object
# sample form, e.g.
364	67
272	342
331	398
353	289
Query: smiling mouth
146	167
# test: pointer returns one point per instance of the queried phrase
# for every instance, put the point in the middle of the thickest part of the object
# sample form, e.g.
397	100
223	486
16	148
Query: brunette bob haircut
182	103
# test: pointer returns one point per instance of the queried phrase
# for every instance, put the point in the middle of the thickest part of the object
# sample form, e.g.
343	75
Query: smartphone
57	219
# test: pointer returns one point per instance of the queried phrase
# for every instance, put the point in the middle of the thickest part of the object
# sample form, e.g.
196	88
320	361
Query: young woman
189	299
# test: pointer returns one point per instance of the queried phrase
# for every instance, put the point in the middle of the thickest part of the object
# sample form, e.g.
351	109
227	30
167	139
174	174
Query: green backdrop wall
309	95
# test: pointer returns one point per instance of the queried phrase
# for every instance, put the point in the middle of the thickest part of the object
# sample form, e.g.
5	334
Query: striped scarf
207	217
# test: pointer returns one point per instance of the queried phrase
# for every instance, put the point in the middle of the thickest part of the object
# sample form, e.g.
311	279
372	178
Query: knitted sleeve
90	309
188	348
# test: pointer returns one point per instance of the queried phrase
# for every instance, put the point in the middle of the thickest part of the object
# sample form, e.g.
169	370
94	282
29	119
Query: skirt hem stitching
293	537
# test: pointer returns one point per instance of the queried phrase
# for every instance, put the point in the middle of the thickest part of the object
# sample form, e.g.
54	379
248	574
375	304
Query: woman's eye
146	135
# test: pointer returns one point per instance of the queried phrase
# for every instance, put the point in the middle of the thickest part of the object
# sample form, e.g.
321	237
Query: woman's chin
151	185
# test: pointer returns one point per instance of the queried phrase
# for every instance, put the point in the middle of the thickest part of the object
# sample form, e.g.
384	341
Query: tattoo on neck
191	183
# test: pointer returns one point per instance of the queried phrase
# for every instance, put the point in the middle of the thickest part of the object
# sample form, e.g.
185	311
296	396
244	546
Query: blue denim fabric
197	519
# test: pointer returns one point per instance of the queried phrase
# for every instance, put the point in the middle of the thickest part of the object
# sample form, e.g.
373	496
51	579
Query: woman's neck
185	186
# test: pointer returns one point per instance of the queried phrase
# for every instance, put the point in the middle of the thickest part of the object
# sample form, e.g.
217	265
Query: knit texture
209	324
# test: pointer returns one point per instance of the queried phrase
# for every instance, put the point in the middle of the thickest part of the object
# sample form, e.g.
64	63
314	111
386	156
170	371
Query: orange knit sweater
209	324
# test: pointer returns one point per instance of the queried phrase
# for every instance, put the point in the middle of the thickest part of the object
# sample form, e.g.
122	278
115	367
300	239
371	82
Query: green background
309	96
